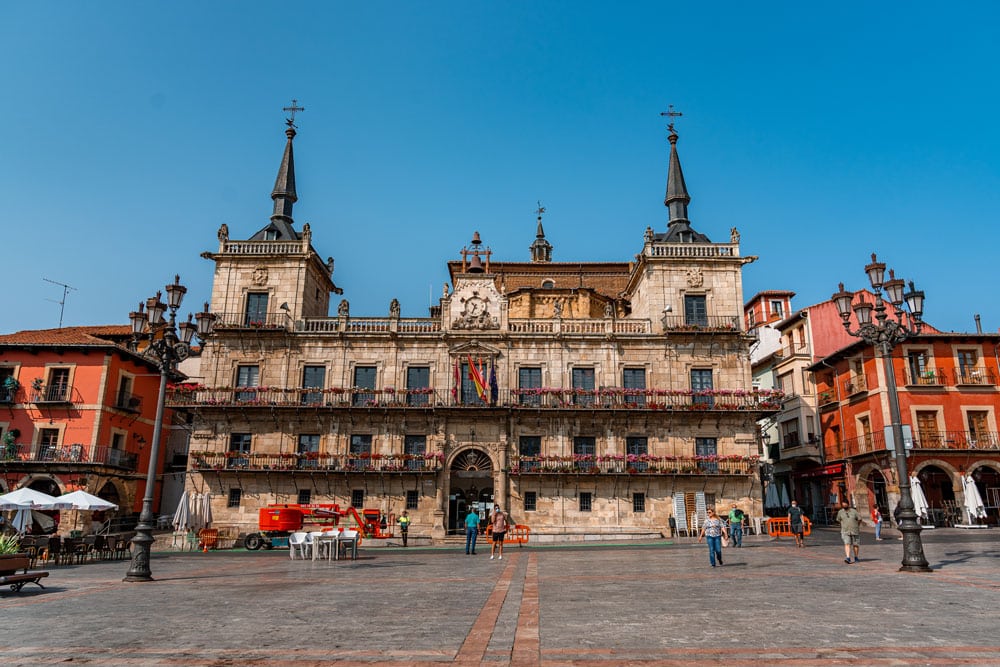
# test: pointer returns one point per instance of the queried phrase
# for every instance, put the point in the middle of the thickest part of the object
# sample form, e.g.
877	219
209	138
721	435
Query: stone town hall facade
594	398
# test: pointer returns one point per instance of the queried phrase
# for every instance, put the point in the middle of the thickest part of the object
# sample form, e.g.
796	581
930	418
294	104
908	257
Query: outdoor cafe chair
56	549
297	542
348	540
322	543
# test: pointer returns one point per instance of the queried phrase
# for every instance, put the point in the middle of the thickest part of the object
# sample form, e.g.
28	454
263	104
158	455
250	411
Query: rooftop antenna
62	303
669	113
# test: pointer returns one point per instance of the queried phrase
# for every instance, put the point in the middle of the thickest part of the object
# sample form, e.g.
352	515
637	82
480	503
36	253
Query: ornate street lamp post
884	333
165	349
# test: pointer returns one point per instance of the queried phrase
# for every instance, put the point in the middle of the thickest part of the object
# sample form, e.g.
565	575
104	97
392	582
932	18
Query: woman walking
713	531
877	520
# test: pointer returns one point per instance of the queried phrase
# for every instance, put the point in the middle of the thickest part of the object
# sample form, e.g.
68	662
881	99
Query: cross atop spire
671	114
290	122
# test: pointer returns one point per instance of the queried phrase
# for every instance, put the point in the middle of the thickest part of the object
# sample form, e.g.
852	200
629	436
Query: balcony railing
609	398
634	465
74	454
257	322
975	376
128	402
706	324
406	463
855	385
8	394
59	392
922	440
931	377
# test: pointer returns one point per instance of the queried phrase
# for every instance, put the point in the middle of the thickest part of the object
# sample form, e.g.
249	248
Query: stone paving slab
656	603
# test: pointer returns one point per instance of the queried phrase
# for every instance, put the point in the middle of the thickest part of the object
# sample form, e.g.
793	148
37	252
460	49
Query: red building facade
77	410
949	398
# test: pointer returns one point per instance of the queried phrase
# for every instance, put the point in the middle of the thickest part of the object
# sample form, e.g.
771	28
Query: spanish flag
478	381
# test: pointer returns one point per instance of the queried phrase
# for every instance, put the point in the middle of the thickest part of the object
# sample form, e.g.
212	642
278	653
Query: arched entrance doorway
471	483
877	496
938	487
988	482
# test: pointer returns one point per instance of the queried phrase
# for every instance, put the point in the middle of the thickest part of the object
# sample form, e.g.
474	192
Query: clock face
475	306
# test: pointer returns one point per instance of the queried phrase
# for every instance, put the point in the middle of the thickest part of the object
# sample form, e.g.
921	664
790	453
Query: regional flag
478	380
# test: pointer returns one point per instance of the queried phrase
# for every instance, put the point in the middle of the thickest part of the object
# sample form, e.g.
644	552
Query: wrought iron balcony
606	398
703	324
979	375
855	385
59	392
128	402
617	464
930	377
314	461
68	454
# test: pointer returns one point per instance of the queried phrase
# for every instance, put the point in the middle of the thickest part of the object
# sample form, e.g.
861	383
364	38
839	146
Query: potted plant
10	547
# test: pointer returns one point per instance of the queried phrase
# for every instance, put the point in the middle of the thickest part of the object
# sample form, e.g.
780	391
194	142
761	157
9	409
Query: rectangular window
584	448
529	379
256	315
695	310
777	309
916	362
305	496
638	502
313	377
58	388
634	383
235	496
6	386
927	428
364	378
357	498
790	433
412	499
786	383
707	447
247	376
701	386
360	444
117	441
470	393
586	501
751	319
415	446
240	443
48	443
583	386
978	421
308	450
124	398
530	448
635	448
530	501
418	384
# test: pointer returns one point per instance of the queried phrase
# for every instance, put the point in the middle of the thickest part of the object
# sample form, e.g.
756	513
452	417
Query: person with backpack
736	519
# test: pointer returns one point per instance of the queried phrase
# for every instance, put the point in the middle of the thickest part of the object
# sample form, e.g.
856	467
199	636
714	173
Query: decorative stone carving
394	309
444	291
609	309
475	313
695	278
734	235
557	310
224	232
344	309
260	276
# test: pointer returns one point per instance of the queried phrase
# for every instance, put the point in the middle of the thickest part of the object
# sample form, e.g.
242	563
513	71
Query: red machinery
277	522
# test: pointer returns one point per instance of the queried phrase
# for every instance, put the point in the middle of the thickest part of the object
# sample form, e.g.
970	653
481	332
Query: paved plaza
656	603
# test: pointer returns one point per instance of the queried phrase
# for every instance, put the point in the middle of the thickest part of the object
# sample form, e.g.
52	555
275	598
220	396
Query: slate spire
677	198
284	185
541	249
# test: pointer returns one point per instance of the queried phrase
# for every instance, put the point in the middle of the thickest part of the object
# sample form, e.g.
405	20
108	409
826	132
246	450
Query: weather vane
541	209
292	110
669	113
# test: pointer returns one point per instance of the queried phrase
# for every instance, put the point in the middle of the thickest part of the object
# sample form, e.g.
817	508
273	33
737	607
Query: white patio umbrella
182	517
29	498
920	505
196	507
206	508
784	496
973	500
21	521
81	500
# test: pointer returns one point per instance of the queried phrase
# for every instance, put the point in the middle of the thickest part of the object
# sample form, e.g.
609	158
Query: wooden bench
10	577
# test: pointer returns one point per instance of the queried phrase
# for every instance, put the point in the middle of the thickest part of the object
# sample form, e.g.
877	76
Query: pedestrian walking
877	520
796	523
500	524
712	531
736	519
471	531
404	526
850	530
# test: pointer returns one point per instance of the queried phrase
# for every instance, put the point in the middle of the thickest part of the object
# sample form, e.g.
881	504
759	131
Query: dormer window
270	234
548	284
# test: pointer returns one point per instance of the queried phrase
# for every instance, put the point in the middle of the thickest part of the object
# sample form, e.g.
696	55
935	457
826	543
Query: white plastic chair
298	542
319	543
348	538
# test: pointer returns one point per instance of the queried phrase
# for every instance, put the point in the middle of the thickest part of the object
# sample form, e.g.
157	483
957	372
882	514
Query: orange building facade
77	410
949	399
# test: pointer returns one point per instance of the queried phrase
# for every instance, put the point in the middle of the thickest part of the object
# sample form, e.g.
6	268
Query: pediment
474	347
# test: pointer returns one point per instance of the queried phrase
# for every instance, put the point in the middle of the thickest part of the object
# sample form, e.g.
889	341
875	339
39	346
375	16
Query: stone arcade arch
470	480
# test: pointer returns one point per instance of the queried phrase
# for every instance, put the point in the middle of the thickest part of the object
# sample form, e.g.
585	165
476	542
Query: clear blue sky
131	131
